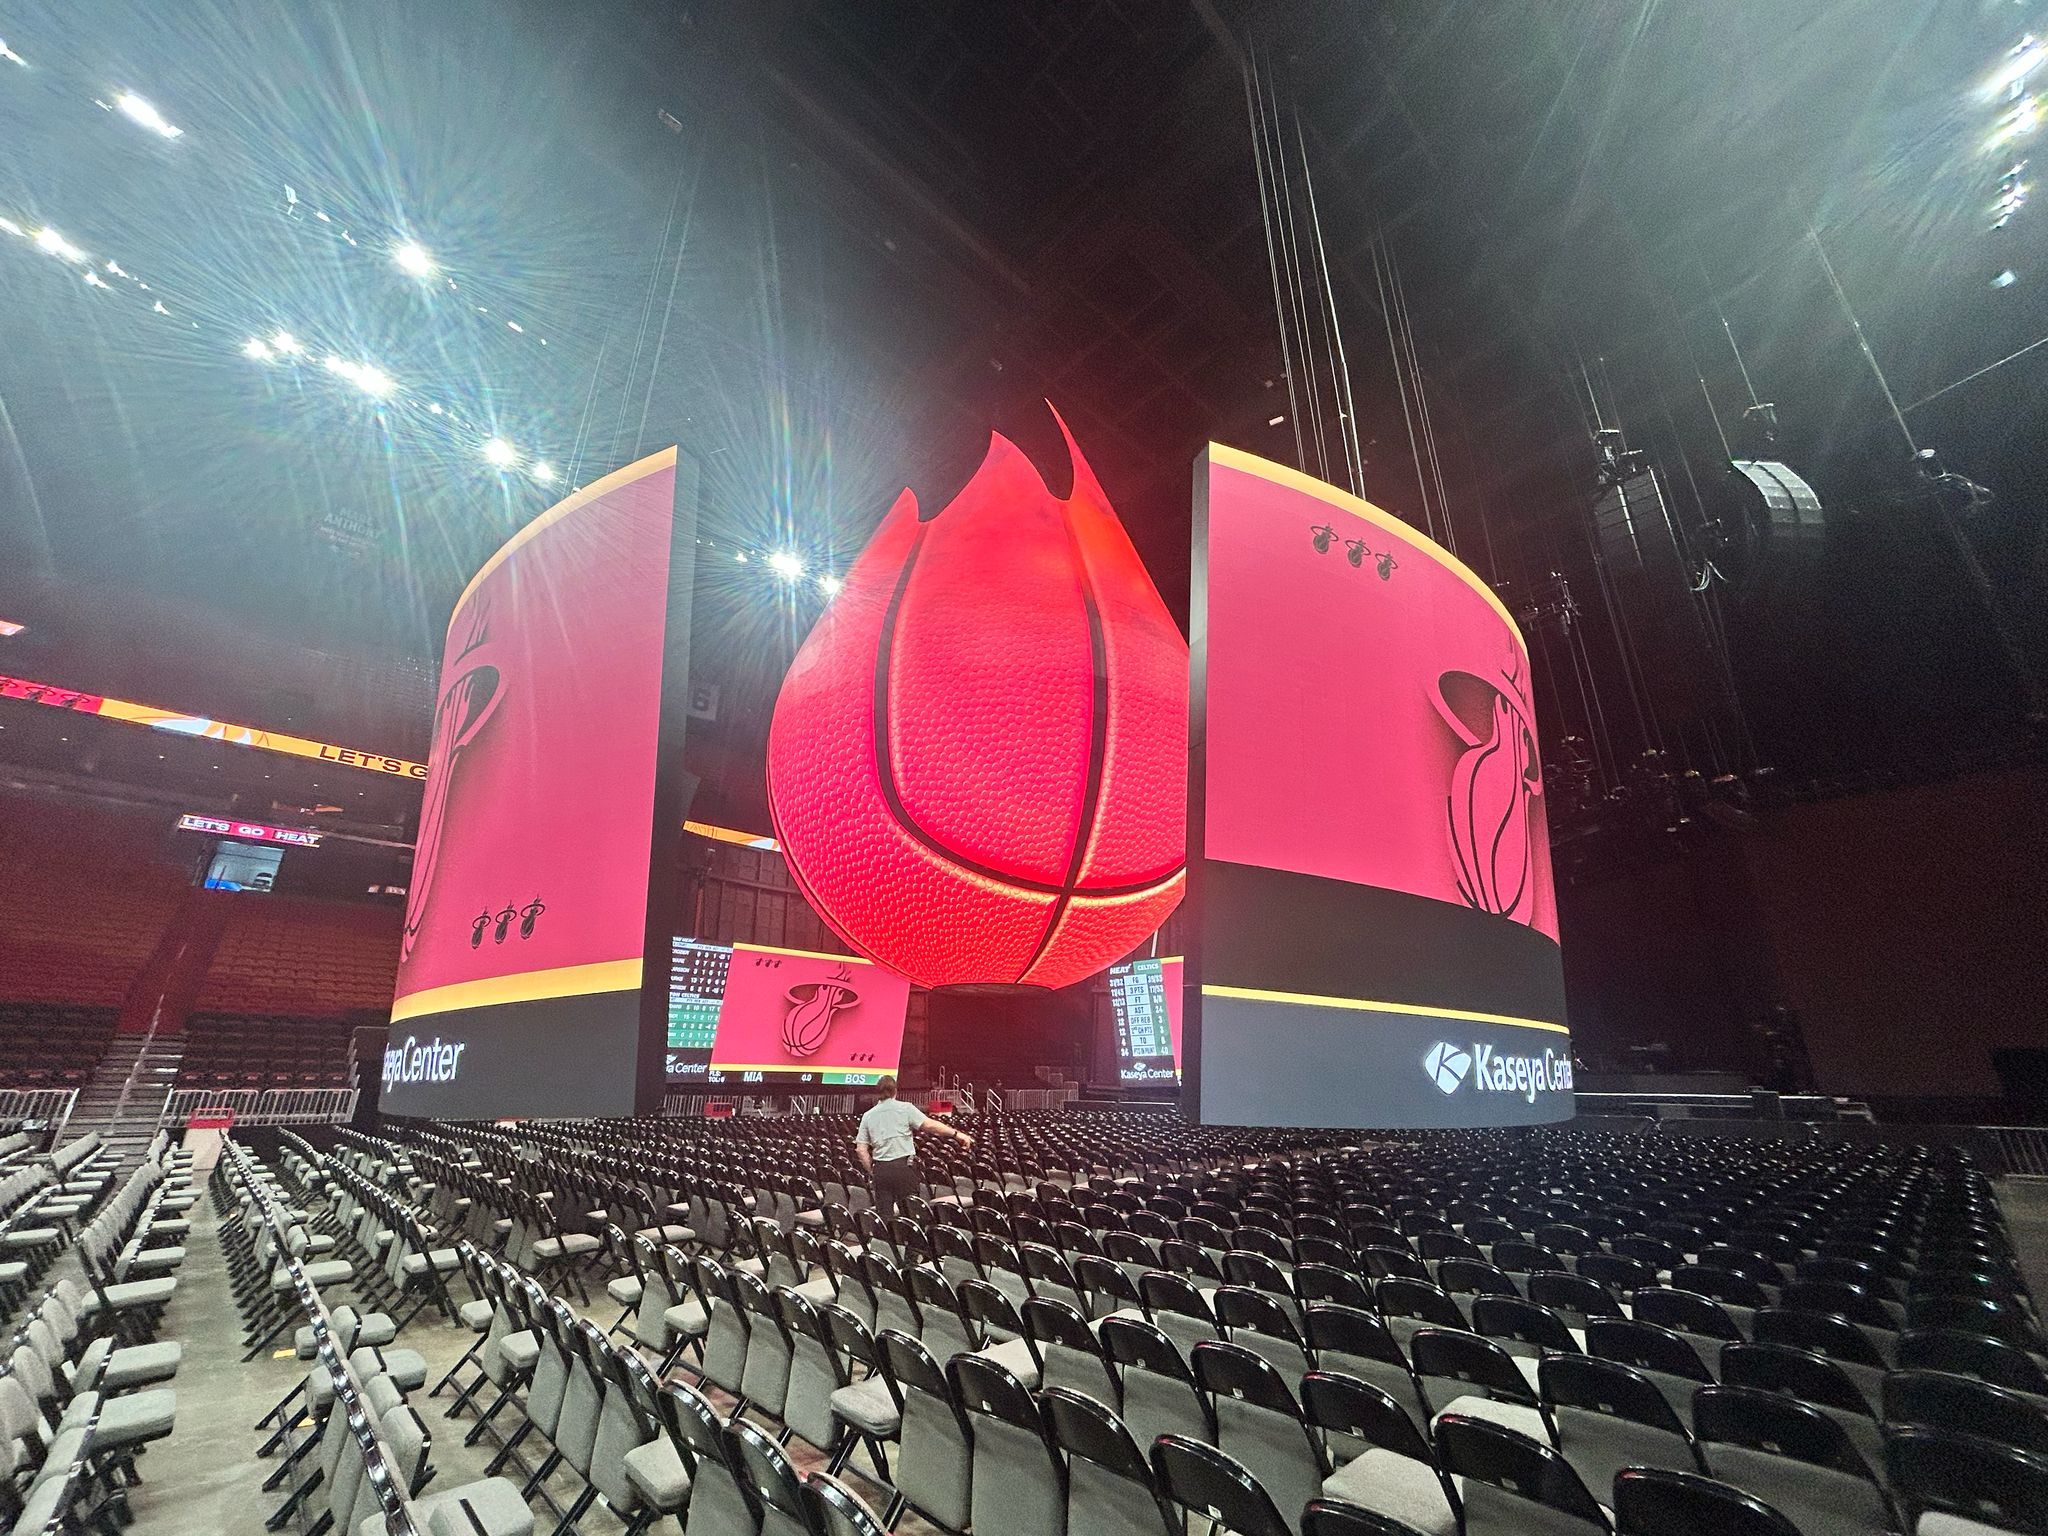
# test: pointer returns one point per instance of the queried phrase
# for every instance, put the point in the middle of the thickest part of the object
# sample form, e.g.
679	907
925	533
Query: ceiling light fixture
135	109
412	259
788	566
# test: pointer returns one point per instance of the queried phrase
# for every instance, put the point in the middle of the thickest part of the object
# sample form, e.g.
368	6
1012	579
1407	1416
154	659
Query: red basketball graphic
978	761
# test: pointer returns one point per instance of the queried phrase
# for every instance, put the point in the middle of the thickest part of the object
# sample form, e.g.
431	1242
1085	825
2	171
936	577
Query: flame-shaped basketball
978	761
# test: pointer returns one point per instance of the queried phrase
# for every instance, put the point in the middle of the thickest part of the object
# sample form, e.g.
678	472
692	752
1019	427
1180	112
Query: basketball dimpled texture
977	766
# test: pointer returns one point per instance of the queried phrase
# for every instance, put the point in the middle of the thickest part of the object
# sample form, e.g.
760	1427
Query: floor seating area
82	1381
1103	1322
228	1050
52	1045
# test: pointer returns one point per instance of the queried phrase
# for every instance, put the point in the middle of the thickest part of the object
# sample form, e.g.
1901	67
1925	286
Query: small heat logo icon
813	1006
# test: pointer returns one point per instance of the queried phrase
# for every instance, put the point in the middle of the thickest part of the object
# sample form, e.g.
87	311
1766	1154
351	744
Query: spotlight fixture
411	258
1355	551
740	555
543	471
500	453
285	344
256	350
788	566
371	380
10	55
2005	279
93	279
1320	536
830	585
137	110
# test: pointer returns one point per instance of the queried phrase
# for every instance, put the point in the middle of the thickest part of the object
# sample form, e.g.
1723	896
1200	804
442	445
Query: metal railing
2024	1148
51	1104
262	1106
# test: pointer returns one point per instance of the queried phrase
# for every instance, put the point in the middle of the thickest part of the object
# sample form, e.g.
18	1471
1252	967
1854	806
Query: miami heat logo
1490	812
813	1006
472	687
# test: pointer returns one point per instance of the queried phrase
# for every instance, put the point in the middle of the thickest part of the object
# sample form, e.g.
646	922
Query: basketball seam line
885	775
1098	745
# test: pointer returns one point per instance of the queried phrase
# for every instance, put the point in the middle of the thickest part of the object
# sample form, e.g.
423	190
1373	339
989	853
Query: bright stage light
501	453
544	472
2025	56
740	555
372	381
2005	279
256	350
93	279
412	259
830	585
11	227
135	109
47	239
2022	120
285	344
786	565
8	53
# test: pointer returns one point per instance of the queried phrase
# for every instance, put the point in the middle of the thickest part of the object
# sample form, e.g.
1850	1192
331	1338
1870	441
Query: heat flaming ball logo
1490	811
813	1006
470	695
978	761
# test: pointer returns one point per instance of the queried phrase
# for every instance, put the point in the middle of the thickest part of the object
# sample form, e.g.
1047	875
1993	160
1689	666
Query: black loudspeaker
2023	1074
1649	581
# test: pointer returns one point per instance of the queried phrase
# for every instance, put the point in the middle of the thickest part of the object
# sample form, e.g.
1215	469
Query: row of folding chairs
364	1459
81	1392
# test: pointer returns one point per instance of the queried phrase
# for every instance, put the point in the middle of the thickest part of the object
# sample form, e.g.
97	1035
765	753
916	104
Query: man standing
887	1145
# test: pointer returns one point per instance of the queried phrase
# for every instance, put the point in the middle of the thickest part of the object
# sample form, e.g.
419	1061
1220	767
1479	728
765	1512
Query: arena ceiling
828	246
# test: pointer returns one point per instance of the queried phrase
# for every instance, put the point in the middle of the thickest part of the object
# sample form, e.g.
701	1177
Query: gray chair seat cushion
13	1273
626	1290
570	1245
1388	1483
137	1366
656	1472
520	1350
493	1505
134	1293
443	1259
1014	1356
672	1233
324	1272
867	1408
475	1315
169	1227
820	1292
123	1420
29	1237
687	1319
145	1261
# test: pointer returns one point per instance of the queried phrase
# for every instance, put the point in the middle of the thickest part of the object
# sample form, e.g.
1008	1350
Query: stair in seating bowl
125	1094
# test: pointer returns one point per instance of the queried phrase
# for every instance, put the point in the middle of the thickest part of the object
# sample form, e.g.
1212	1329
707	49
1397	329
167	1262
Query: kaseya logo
1449	1066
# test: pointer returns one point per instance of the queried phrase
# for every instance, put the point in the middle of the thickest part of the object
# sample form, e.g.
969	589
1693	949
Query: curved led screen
521	959
1376	933
977	764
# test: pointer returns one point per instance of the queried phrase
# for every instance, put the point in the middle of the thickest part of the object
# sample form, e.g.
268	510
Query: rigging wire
1253	121
1340	366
